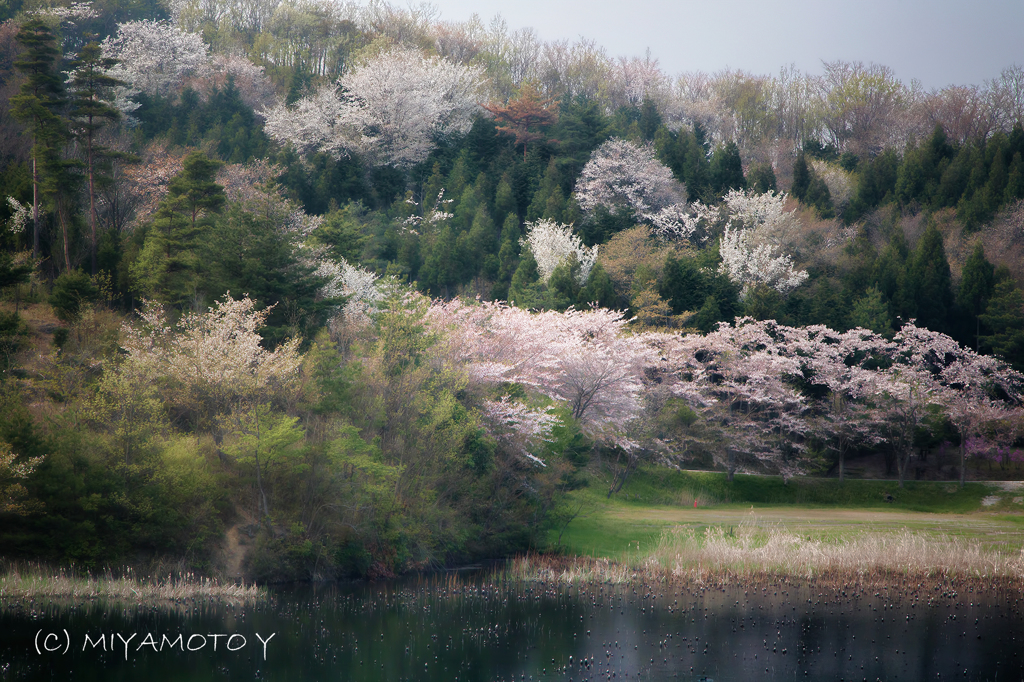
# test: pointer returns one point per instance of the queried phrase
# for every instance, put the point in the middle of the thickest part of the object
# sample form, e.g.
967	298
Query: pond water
449	627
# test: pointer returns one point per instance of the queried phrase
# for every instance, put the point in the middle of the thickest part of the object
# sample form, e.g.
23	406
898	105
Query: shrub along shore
27	582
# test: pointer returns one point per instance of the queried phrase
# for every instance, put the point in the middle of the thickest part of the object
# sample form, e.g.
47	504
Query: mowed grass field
634	521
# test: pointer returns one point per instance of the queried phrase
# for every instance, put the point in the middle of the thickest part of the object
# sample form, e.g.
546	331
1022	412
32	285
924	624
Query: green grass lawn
632	522
668	487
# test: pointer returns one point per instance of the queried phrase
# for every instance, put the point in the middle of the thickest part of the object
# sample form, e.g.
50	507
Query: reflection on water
440	628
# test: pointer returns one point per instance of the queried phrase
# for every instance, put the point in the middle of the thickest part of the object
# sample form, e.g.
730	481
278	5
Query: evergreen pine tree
930	282
36	103
727	169
682	284
598	290
976	286
801	177
890	277
1004	318
762	178
168	264
1015	180
89	114
526	288
870	311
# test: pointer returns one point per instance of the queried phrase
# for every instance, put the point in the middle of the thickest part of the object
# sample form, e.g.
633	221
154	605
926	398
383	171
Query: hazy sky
938	42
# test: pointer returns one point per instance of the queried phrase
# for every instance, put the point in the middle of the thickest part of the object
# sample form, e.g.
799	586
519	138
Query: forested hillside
370	291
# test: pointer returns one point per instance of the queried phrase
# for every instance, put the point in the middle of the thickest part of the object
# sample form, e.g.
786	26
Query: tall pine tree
35	105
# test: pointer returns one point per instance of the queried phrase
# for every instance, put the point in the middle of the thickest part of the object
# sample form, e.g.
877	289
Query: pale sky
938	42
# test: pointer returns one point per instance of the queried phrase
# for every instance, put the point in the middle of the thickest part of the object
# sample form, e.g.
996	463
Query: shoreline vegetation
29	582
753	553
261	317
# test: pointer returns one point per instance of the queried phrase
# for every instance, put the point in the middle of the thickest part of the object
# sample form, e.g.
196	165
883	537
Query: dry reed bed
756	553
34	582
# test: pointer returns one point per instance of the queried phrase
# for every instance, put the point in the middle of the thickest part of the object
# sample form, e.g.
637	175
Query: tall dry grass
753	549
30	581
756	550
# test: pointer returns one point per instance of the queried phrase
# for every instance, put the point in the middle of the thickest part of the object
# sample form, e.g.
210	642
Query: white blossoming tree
552	243
392	107
344	279
216	369
622	175
155	56
758	227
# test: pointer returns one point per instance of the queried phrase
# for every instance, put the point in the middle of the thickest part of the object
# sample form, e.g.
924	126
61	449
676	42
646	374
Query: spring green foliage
377	459
70	292
169	260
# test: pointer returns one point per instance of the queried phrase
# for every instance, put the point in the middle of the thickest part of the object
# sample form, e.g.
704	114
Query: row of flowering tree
761	391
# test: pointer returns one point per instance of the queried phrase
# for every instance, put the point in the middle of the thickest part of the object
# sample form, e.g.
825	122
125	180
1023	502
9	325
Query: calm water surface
447	628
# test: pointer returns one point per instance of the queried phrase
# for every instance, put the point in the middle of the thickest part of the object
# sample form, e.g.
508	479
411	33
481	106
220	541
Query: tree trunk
963	462
35	209
92	207
64	234
902	462
619	479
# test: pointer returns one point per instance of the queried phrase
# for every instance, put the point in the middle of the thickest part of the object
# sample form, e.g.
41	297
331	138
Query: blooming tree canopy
155	56
974	390
752	245
749	383
581	358
214	359
12	494
623	175
344	279
741	381
392	107
838	361
552	243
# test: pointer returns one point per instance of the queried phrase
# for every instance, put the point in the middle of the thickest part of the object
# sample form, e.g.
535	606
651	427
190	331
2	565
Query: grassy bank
657	500
34	582
758	525
755	550
668	487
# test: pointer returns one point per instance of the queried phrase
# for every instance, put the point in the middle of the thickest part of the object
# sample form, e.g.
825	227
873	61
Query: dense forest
373	291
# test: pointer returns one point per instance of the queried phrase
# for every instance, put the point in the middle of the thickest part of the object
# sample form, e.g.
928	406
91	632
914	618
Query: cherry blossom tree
752	245
838	362
741	381
552	243
212	358
638	78
621	175
343	280
583	359
392	107
155	56
216	366
253	86
519	427
974	390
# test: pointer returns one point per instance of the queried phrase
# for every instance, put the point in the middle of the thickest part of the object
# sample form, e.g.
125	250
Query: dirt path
234	554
